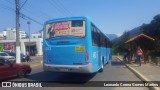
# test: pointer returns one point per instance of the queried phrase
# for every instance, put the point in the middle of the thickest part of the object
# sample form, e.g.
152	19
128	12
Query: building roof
139	36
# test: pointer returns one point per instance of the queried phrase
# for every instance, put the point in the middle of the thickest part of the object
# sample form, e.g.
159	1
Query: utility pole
29	36
17	32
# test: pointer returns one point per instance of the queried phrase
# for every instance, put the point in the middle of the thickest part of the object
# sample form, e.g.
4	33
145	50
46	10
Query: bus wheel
107	62
102	67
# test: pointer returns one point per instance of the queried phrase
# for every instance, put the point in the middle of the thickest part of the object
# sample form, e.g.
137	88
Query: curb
138	74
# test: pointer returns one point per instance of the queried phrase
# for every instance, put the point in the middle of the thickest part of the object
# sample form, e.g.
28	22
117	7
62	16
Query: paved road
114	71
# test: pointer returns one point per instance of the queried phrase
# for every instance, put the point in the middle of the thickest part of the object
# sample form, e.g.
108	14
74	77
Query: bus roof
67	18
72	18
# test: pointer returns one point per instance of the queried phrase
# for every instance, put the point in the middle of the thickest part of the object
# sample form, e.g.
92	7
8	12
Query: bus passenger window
95	36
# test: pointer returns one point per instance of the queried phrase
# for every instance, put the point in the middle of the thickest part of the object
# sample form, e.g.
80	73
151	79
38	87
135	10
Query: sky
110	16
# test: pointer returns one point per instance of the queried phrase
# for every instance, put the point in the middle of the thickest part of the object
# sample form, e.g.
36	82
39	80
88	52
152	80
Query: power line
30	12
54	5
61	4
23	4
61	7
37	10
23	16
9	1
6	7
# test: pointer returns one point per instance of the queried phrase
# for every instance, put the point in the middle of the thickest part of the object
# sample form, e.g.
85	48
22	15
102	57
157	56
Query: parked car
7	56
10	69
24	58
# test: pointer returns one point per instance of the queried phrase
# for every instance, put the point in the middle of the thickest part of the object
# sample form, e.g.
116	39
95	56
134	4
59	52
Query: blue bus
74	44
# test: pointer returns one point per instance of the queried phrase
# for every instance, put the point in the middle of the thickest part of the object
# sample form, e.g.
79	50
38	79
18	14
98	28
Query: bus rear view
66	45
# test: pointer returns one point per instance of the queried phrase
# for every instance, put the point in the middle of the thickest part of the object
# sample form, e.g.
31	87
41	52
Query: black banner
80	84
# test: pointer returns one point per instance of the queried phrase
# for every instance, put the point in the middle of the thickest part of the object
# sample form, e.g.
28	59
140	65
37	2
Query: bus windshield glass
65	28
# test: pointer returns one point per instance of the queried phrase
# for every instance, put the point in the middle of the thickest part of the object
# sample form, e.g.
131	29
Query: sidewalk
35	61
146	72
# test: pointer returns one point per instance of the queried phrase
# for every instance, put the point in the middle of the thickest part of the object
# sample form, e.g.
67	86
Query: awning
140	36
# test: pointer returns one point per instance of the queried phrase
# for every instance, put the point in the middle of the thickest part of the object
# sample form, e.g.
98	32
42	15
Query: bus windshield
65	28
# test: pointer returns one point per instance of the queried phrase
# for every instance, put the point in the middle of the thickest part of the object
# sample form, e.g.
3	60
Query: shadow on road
63	78
116	63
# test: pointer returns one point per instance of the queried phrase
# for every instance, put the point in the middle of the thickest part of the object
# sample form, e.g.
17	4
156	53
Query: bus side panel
99	54
103	55
110	56
89	47
96	58
108	52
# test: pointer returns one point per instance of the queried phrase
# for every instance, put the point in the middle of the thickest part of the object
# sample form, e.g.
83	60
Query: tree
120	46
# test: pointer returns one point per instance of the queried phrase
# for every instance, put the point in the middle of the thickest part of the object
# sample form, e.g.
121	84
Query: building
35	46
1	36
38	34
10	33
23	34
27	45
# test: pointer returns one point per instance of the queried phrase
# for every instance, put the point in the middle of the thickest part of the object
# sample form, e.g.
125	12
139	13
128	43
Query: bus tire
102	67
107	62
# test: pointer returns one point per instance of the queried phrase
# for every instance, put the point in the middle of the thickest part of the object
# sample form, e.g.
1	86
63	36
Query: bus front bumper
69	68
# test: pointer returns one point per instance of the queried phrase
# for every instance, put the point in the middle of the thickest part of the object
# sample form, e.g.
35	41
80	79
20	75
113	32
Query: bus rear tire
102	67
107	62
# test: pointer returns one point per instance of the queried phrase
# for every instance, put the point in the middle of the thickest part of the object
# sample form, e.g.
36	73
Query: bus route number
80	48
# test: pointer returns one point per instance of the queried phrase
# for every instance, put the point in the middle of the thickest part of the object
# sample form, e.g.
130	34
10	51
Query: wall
38	42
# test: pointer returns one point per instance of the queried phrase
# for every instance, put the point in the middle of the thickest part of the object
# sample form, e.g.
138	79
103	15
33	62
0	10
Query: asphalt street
114	71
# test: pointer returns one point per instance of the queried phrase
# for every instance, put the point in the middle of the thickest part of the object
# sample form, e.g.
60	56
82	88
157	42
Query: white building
38	34
23	34
35	45
10	33
4	32
32	45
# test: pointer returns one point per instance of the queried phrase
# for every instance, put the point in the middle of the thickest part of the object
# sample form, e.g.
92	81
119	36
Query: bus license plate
64	69
80	48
